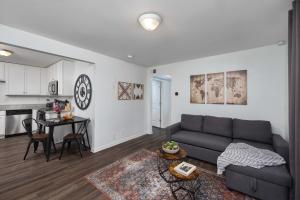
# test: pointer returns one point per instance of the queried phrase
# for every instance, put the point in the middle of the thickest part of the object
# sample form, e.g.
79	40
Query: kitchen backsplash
35	103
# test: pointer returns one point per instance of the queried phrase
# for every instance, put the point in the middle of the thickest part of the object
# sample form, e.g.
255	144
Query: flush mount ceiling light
4	52
129	56
149	21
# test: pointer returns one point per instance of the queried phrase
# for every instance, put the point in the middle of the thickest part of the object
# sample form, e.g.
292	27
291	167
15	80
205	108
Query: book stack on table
185	168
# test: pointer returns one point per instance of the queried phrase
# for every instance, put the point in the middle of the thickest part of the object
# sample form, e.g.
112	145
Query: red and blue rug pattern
136	177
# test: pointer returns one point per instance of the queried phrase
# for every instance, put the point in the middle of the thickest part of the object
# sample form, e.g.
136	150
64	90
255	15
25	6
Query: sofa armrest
281	147
173	129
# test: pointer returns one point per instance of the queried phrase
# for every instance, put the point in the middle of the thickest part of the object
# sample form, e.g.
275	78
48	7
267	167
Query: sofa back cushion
191	122
254	130
218	125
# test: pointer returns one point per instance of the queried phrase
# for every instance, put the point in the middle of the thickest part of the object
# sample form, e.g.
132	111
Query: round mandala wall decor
83	92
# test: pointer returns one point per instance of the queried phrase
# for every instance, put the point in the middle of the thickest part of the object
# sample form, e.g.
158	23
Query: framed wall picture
236	85
138	91
215	88
124	91
197	89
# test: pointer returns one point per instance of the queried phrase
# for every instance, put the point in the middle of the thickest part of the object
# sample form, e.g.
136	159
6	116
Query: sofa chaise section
206	137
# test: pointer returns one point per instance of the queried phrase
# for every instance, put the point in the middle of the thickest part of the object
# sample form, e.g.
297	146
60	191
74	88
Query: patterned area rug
136	177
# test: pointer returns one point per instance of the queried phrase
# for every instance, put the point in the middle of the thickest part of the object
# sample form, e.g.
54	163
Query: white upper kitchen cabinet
22	80
15	83
63	72
28	80
67	78
32	80
2	71
53	72
44	81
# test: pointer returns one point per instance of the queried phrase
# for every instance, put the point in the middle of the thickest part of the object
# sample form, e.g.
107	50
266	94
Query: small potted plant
170	147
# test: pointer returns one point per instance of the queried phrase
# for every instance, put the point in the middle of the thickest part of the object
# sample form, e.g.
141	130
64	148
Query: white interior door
156	103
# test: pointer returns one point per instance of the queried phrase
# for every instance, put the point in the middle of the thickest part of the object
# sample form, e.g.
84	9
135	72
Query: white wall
118	121
267	85
114	121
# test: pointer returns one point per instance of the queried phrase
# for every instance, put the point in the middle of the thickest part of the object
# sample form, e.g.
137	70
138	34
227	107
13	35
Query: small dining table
52	123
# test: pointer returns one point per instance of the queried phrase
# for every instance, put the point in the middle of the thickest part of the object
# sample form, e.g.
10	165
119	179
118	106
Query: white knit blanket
242	154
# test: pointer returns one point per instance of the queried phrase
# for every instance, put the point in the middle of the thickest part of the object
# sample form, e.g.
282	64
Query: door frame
160	87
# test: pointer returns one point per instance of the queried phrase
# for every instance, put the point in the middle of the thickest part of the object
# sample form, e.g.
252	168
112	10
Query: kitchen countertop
22	106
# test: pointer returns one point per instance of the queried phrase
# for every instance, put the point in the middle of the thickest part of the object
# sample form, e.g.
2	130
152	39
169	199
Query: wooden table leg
49	140
73	128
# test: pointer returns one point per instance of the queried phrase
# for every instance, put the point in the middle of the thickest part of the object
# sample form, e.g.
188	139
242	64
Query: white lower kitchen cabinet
2	124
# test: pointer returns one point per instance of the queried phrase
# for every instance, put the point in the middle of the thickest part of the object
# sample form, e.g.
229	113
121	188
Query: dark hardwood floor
35	178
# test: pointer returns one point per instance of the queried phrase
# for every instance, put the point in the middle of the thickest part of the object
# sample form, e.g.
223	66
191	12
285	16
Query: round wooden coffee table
165	159
189	183
167	156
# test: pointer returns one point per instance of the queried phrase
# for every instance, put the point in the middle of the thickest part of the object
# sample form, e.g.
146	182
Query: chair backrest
27	124
83	127
40	115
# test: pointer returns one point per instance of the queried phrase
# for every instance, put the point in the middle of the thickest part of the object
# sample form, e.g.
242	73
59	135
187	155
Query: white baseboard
94	150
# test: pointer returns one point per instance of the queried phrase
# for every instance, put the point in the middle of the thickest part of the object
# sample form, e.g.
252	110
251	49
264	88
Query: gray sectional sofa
206	137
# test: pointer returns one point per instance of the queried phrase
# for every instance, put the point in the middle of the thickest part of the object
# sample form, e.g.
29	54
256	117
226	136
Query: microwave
53	87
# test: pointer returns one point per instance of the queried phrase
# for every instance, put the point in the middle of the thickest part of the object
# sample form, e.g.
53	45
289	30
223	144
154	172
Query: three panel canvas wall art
236	83
197	89
215	88
211	88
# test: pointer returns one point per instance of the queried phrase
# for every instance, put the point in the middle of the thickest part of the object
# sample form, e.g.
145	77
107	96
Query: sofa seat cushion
204	140
218	125
276	174
255	144
191	122
254	130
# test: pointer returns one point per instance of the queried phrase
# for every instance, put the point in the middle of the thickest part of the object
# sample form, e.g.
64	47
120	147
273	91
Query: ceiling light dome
6	53
149	21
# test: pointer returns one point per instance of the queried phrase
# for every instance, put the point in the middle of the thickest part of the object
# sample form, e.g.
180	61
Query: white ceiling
28	57
190	28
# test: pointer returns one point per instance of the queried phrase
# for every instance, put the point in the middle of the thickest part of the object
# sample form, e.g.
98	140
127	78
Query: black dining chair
35	136
77	137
